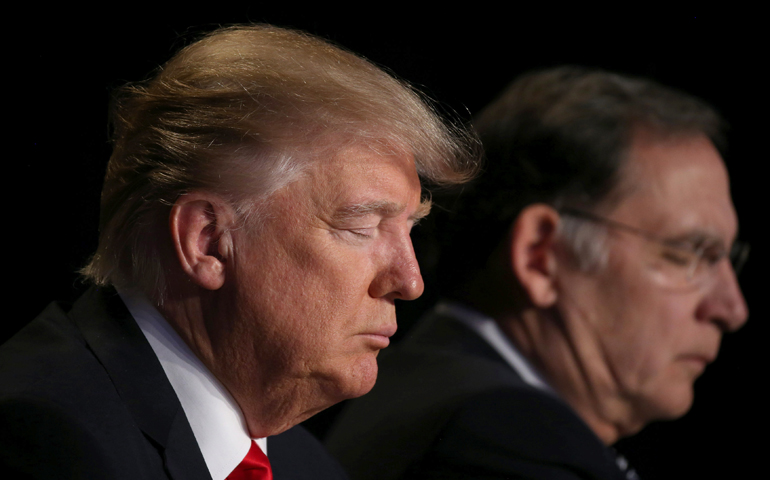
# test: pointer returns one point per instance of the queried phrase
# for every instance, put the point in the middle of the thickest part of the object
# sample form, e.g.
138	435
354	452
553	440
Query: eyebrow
700	238
382	208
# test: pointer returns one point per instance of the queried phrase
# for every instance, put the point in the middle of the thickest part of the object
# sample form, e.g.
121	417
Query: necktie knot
255	466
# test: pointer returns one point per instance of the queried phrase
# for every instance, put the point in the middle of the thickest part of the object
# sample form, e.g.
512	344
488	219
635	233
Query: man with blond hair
254	237
589	282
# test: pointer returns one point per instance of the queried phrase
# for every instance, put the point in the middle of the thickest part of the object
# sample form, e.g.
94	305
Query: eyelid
714	254
680	256
362	232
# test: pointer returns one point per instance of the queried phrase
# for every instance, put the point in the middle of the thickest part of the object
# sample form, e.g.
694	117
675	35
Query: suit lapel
119	344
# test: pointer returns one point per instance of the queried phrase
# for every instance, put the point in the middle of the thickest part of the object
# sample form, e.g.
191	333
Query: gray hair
561	137
586	241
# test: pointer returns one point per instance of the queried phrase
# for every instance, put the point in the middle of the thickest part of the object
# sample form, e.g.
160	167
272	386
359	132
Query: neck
274	404
271	400
574	369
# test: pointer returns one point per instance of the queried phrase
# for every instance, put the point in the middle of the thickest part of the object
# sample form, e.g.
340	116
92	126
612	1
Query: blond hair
240	113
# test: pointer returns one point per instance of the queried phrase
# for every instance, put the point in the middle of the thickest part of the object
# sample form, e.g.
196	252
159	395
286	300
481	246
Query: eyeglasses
680	263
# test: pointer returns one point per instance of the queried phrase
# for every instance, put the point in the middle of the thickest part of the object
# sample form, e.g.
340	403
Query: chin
674	404
681	409
364	378
354	381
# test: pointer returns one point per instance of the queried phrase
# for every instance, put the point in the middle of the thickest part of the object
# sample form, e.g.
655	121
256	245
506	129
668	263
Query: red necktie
255	466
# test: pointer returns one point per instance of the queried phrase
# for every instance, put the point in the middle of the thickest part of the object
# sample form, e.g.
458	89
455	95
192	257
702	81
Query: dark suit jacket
82	395
446	405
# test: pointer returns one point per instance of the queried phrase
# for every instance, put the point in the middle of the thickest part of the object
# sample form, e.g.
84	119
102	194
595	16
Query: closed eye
363	232
714	255
677	257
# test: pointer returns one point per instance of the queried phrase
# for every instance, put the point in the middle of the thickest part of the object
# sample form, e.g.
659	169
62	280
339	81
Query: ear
533	256
200	226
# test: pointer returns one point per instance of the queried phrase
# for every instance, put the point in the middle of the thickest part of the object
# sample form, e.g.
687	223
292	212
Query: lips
705	353
381	335
701	360
705	356
386	330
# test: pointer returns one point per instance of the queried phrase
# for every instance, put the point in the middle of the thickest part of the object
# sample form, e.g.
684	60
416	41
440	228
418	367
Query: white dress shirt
215	418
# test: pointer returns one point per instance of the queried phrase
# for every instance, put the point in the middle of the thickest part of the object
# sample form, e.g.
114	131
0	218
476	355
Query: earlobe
533	256
200	225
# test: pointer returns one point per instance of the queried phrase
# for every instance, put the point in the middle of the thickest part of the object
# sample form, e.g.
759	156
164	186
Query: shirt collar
488	329
215	418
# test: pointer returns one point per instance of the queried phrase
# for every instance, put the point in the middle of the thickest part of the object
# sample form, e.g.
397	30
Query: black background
60	67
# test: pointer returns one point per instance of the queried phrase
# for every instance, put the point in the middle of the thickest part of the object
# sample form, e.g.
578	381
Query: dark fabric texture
446	405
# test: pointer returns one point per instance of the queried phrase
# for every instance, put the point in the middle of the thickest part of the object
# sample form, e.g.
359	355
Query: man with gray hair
255	234
589	282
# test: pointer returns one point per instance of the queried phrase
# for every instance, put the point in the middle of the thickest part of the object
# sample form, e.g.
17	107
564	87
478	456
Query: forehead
678	186
362	175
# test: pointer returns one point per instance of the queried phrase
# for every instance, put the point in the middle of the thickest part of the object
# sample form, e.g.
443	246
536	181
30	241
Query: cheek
650	335
316	309
636	328
312	298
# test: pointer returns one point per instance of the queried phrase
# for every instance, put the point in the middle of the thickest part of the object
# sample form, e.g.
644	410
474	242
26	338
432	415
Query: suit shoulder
49	357
528	422
517	433
40	438
58	402
47	353
418	390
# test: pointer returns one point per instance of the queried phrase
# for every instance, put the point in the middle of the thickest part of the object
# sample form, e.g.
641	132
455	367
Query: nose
400	276
724	304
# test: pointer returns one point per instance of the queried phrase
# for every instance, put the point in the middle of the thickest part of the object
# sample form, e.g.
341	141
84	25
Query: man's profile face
649	340
315	282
